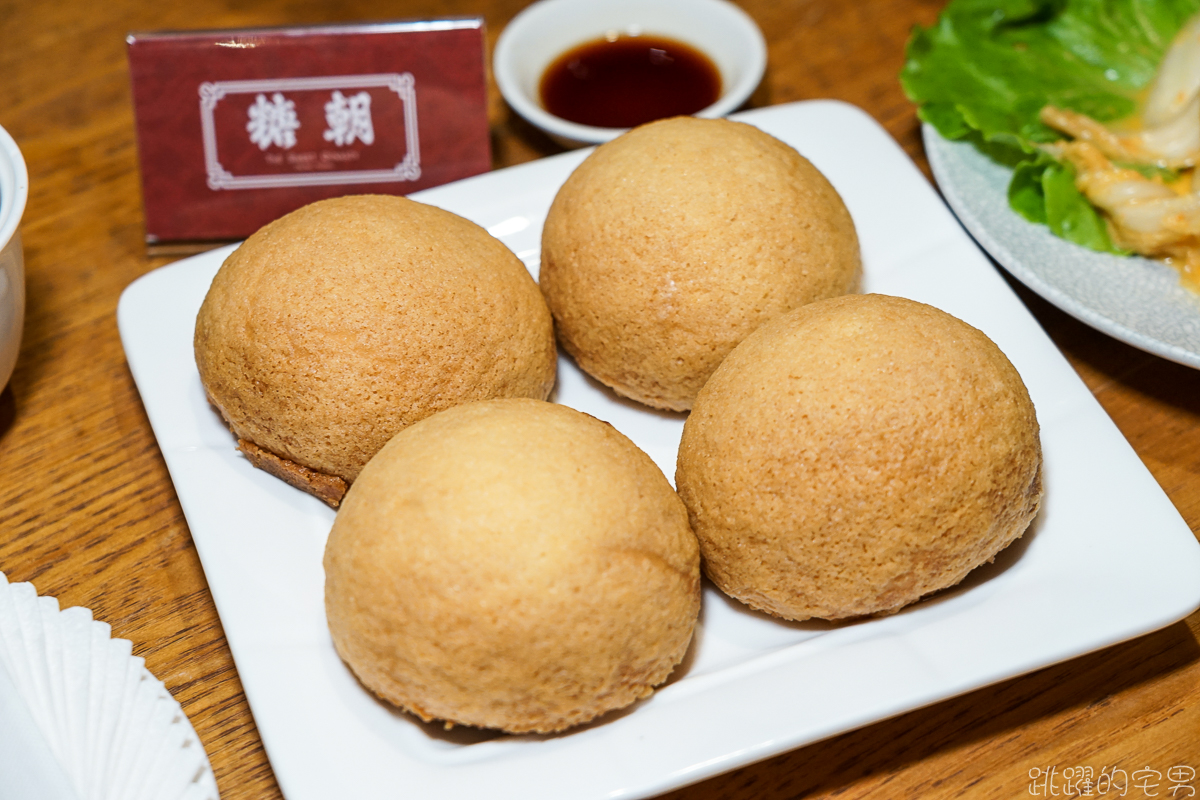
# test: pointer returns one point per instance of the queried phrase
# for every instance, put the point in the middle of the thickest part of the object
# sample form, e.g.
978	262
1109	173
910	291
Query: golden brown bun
670	244
511	564
857	454
337	325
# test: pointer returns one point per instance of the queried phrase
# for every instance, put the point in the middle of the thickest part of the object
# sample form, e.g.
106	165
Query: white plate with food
1107	559
1092	114
1138	300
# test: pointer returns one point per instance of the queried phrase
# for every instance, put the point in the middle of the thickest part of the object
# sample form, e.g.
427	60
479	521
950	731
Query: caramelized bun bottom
336	326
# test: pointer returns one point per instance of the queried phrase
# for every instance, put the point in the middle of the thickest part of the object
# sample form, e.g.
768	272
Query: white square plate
1140	301
1108	558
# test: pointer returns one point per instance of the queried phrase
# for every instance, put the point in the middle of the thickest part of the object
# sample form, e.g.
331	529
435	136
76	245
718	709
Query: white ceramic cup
14	191
545	30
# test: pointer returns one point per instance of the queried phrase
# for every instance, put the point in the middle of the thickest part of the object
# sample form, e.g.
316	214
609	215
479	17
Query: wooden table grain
88	512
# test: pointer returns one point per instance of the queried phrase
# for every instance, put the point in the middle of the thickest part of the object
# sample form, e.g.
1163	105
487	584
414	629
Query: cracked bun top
855	455
669	245
511	564
339	324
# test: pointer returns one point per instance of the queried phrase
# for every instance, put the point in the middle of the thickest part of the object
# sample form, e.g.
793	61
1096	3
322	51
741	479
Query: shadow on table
8	411
1103	360
1006	724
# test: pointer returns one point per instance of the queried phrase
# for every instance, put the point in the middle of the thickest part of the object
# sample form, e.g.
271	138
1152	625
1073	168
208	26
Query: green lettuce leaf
987	67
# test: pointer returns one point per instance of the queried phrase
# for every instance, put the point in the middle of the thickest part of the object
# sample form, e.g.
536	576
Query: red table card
237	128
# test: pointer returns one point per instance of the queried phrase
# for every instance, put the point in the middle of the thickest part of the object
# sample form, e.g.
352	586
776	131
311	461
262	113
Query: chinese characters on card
237	128
310	131
273	123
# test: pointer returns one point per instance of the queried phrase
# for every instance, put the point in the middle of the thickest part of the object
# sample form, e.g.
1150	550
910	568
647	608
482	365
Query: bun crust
338	325
511	564
667	246
855	455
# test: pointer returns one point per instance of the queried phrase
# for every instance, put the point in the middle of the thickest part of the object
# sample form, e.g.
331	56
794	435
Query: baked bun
668	245
336	326
855	455
511	564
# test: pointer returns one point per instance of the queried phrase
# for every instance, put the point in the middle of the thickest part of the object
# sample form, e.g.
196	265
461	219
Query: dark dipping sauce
623	82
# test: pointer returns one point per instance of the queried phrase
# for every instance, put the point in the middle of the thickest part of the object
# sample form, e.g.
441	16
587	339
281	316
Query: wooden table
88	512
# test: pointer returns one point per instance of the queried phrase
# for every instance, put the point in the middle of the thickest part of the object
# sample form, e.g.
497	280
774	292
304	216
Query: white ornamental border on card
402	84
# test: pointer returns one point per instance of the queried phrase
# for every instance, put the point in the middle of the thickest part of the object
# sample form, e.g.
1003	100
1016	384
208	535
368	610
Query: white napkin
108	729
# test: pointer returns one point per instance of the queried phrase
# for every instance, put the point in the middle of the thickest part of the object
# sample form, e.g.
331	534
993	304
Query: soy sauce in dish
627	80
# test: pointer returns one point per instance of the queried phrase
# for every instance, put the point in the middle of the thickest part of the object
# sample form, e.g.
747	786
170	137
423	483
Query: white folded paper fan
111	725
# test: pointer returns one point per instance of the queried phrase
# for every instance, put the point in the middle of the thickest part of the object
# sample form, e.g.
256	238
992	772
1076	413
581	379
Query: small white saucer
547	29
